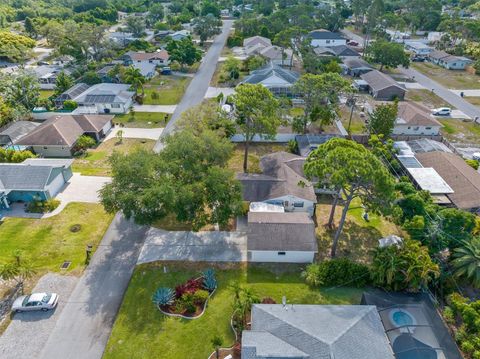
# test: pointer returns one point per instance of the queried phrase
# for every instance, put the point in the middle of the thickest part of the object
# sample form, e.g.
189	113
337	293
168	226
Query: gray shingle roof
280	178
340	50
415	114
356	63
326	331
267	346
274	231
19	129
322	34
270	70
379	81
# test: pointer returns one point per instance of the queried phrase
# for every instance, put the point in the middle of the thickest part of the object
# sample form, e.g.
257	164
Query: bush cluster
43	206
337	272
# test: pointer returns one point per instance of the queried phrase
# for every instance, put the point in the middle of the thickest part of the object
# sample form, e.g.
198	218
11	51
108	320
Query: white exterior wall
457	65
56	185
416	130
52	151
106	129
122	109
288	203
288	257
326	42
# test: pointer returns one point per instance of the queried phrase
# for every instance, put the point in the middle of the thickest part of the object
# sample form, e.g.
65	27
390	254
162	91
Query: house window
285	203
282	253
428	128
45	147
416	128
328	41
298	204
115	105
409	127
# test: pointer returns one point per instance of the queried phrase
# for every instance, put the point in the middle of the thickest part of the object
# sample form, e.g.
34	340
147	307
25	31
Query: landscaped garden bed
188	300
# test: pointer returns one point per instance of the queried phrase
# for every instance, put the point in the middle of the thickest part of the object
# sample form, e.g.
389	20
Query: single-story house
159	57
47	75
448	61
282	183
148	70
256	40
297	331
56	137
15	131
462	178
103	73
340	51
325	38
180	35
383	87
121	38
33	179
418	48
99	98
309	142
63	60
277	79
356	66
415	119
281	237
276	55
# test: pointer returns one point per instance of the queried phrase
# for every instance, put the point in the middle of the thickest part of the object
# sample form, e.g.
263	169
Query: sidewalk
155	108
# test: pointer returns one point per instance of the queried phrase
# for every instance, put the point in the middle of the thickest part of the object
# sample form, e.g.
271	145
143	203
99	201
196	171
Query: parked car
42	63
166	70
442	111
35	301
352	43
418	59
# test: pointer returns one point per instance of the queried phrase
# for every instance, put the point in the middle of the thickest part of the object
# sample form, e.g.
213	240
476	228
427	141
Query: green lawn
452	79
169	89
460	131
427	98
46	93
473	100
359	237
141	331
255	152
143	119
48	242
95	161
357	125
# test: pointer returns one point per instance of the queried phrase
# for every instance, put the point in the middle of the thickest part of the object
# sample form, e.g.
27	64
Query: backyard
143	119
452	79
357	125
358	238
95	161
48	242
141	331
165	90
256	151
46	93
461	131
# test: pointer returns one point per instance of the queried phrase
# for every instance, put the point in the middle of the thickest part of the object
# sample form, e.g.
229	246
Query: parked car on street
352	43
442	111
35	301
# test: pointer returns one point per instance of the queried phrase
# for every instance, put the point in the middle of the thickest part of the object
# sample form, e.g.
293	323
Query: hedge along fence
184	316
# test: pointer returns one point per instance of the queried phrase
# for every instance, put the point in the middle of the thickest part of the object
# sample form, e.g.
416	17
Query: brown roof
144	56
415	114
379	81
64	130
462	178
281	232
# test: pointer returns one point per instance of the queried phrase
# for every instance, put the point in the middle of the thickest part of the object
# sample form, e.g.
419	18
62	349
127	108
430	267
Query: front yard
165	90
48	242
143	119
427	98
461	131
358	238
95	161
452	79
141	331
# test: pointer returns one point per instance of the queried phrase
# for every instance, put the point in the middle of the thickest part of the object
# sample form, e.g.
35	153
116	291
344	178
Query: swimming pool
402	318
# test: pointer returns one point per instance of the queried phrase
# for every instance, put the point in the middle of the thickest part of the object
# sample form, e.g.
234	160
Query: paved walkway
447	95
197	88
212	246
129	132
215	91
85	324
155	108
412	85
28	332
467	93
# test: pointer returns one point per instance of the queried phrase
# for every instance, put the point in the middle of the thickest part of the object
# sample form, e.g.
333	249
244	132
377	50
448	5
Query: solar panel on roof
409	162
77	90
99	98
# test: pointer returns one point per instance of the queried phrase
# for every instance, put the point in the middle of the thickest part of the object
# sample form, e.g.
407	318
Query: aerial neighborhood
220	179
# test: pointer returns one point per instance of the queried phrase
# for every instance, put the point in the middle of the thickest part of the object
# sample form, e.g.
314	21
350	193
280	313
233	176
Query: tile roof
275	231
324	331
462	178
411	113
379	81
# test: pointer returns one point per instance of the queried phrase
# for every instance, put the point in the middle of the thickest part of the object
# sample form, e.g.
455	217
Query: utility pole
352	100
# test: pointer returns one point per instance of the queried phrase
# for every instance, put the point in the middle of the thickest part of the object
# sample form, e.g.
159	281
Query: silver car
35	301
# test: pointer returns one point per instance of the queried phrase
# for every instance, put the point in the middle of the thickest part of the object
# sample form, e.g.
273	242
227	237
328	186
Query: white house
414	119
277	79
325	38
281	237
158	58
180	35
450	62
279	184
418	48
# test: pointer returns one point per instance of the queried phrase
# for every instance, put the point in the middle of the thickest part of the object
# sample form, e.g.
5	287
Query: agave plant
209	281
163	296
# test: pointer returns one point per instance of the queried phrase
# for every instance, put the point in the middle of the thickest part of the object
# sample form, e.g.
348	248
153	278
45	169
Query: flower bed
188	300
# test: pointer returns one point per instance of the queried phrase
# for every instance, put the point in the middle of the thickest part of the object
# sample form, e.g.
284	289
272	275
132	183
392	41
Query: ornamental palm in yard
466	263
134	77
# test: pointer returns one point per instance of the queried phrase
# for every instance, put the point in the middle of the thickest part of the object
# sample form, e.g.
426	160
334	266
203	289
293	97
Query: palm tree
217	342
134	77
466	263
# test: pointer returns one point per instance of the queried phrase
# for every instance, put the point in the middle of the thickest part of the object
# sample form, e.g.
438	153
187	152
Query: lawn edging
184	316
236	338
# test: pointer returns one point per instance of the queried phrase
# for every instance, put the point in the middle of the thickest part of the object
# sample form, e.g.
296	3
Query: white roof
265	207
389	241
429	180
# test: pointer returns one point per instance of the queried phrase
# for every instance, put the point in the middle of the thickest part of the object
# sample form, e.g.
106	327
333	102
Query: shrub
468	314
292	146
155	95
163	296
191	286
268	300
70	105
43	206
448	315
85	142
209	281
200	297
473	163
337	272
188	303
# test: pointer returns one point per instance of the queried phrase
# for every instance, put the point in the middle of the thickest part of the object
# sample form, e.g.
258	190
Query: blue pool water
402	318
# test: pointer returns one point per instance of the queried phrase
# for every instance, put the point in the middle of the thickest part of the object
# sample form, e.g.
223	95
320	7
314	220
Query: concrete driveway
147	133
161	245
28	332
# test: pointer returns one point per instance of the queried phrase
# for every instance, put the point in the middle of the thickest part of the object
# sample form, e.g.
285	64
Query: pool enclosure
413	325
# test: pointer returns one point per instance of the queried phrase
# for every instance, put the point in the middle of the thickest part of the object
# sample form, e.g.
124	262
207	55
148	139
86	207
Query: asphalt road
447	95
84	326
198	87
